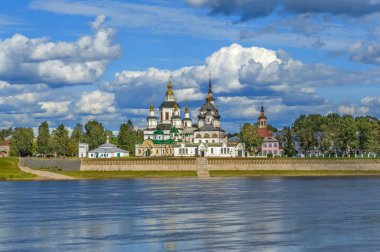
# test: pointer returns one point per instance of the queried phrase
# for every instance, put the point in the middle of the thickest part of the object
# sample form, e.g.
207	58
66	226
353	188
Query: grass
127	174
9	170
291	173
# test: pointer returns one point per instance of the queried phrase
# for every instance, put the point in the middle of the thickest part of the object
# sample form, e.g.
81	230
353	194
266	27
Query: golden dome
151	107
170	88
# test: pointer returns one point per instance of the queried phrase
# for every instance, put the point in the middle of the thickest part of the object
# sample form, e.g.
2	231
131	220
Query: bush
270	155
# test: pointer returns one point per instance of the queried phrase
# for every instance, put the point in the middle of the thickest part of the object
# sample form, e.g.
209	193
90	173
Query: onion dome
170	88
186	109
151	108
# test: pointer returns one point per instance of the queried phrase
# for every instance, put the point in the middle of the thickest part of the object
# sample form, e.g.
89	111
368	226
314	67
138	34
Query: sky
68	62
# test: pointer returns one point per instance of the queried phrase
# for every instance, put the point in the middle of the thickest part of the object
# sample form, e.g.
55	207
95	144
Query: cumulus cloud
54	109
347	109
39	60
95	103
234	69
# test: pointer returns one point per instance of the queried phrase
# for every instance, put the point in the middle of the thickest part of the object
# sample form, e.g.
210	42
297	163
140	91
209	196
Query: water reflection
273	214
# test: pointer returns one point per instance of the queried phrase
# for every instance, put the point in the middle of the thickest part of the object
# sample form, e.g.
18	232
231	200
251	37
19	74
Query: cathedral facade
172	135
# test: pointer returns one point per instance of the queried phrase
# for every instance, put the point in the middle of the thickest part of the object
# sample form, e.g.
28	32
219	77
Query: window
265	145
214	135
274	144
198	136
167	116
212	150
228	150
156	151
270	145
206	141
275	152
213	141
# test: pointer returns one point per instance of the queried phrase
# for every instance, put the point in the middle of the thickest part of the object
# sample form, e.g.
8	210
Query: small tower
169	93
176	118
262	120
187	123
151	119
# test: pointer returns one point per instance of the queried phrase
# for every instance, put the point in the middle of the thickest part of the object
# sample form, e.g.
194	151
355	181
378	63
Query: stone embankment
209	164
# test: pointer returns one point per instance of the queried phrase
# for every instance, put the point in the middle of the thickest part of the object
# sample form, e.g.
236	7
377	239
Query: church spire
262	110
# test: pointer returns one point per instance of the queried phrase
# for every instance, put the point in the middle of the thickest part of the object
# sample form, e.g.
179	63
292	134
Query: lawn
127	174
9	170
290	173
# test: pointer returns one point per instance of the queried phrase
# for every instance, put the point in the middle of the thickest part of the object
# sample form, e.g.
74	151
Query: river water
266	214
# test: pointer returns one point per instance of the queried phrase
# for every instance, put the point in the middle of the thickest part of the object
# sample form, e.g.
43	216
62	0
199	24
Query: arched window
198	136
214	135
207	135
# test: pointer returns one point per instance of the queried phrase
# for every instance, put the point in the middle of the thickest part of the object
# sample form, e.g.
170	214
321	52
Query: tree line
330	134
59	143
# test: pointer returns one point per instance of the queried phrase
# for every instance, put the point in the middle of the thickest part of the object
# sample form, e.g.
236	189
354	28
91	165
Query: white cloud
95	103
54	109
347	109
41	61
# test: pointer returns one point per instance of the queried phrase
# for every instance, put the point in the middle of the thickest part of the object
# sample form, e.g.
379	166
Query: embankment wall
189	164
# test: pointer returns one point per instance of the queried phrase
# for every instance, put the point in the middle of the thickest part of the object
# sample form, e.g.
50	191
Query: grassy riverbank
127	174
293	173
9	170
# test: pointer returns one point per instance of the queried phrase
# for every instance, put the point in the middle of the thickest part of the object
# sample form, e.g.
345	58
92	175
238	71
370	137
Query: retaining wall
189	164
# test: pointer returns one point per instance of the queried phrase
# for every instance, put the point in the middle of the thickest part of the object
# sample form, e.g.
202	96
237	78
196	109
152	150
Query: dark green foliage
129	136
287	142
95	134
77	136
61	141
22	142
44	143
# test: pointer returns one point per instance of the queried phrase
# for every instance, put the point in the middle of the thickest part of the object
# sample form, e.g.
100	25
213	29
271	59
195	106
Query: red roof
264	132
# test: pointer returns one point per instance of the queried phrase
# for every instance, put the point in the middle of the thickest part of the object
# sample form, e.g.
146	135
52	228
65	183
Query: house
83	149
107	150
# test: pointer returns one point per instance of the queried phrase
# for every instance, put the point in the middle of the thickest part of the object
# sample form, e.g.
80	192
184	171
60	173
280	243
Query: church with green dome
168	134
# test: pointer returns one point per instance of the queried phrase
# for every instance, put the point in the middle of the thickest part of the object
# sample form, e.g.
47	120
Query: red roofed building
270	144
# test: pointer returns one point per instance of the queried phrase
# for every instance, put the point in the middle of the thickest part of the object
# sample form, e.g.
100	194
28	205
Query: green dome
174	130
158	132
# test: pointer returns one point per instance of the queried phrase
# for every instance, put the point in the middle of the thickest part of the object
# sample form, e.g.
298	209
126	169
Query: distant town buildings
172	136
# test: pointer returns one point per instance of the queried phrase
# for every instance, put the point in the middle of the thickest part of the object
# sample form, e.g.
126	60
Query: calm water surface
271	214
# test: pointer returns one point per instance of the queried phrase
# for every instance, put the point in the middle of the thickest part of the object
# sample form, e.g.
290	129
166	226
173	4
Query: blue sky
71	61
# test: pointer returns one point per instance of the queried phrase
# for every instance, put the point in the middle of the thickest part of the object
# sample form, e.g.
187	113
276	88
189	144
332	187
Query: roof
264	132
168	141
162	126
270	139
208	127
208	106
108	150
151	117
262	117
158	132
234	139
169	104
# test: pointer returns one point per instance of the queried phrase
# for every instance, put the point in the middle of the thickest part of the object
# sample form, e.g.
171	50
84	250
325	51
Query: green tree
367	133
94	134
287	142
22	142
61	140
77	136
306	130
44	144
347	134
129	136
250	137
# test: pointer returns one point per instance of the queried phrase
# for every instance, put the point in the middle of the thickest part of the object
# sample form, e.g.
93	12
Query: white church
171	135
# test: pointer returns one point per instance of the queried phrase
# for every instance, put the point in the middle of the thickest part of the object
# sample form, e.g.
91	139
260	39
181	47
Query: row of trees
60	143
330	134
339	135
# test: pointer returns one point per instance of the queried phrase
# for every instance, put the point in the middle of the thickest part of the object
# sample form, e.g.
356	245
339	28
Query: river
232	214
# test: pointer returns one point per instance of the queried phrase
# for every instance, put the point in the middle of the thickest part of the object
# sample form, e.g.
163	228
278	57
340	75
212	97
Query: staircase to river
202	170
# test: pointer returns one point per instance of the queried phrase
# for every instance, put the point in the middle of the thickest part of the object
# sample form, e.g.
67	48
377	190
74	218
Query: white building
83	150
108	150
